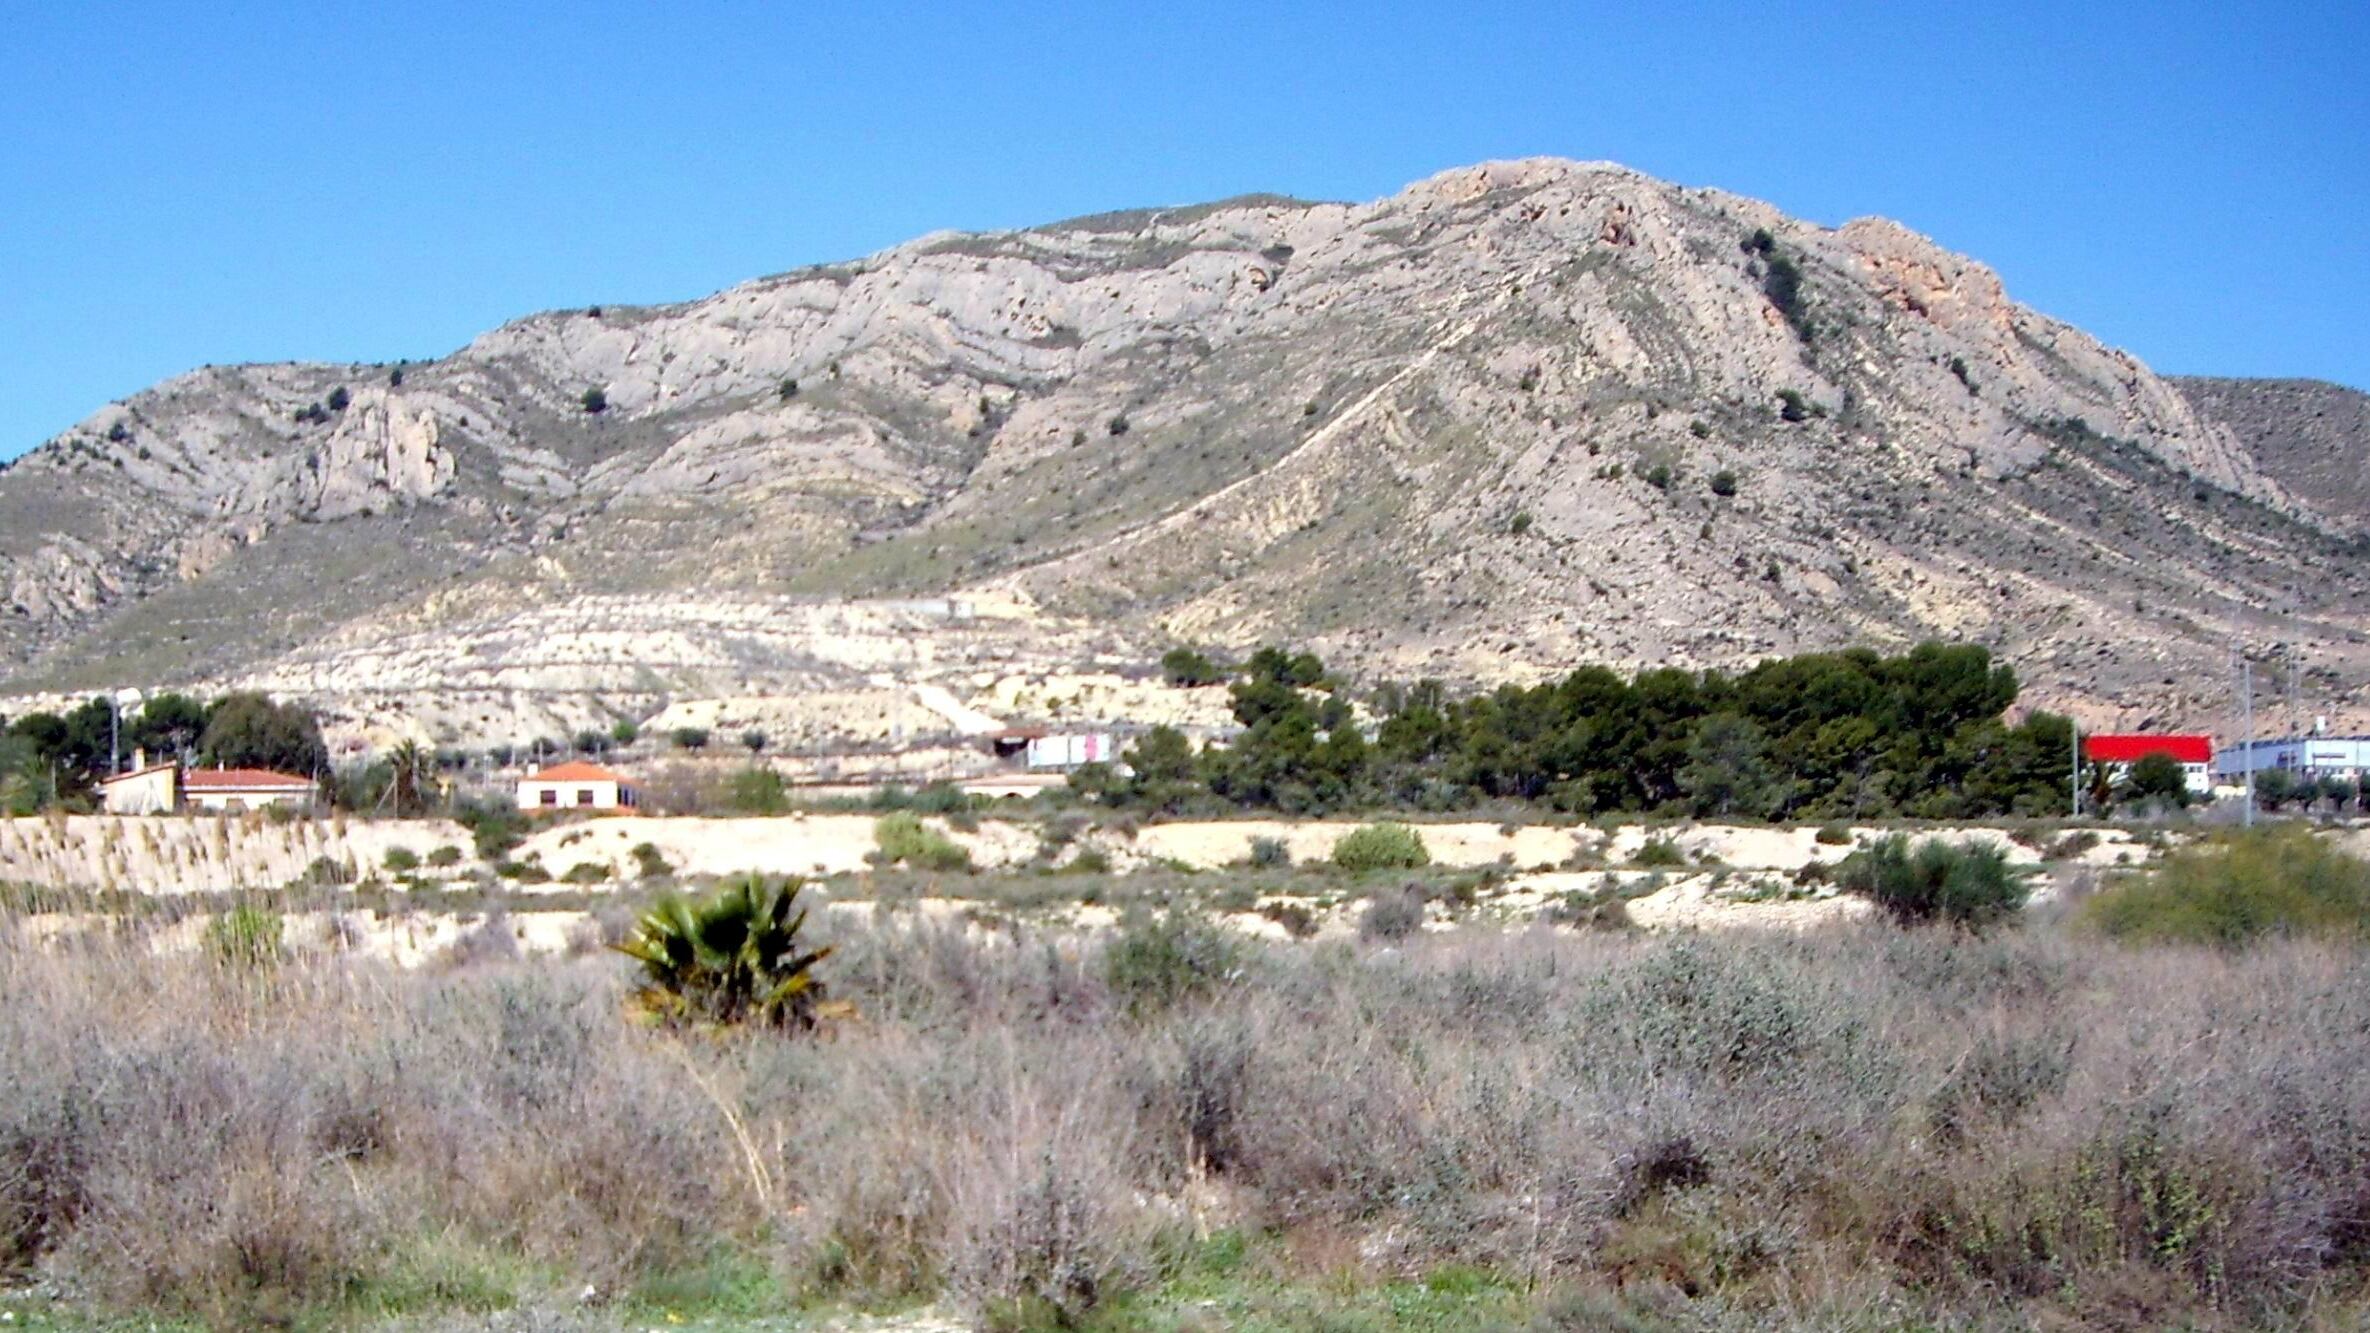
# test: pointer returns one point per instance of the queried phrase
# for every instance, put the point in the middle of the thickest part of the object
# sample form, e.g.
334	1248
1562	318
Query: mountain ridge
1475	429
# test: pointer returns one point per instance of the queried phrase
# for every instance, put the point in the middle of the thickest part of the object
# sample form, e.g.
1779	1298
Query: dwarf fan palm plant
731	958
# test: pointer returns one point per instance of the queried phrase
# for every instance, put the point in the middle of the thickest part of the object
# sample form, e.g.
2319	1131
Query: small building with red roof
2117	752
577	785
165	788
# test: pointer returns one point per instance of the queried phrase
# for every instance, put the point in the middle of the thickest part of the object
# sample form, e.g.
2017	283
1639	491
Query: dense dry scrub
1860	1127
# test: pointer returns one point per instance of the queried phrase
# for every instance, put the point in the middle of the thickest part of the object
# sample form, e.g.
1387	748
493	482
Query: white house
576	786
151	789
155	789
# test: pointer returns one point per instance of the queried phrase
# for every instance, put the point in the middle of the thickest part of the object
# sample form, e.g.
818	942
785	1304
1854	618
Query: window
584	796
551	796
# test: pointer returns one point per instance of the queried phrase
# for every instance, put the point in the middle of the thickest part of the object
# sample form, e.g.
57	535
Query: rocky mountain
1513	418
2309	436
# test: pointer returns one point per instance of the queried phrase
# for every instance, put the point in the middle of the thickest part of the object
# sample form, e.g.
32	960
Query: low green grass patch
2282	880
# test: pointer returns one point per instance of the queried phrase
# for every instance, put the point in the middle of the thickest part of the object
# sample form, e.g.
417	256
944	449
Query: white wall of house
1070	751
574	795
148	792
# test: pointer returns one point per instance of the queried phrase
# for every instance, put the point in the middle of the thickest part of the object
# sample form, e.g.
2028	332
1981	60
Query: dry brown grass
1765	1130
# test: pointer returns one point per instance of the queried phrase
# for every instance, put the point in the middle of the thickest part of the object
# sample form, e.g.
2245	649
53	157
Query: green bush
1973	886
1386	846
1833	835
586	872
1724	483
595	401
1659	476
445	856
400	859
1270	853
757	791
246	936
1189	669
905	840
690	738
495	827
1395	914
2238	888
1153	962
1659	852
649	862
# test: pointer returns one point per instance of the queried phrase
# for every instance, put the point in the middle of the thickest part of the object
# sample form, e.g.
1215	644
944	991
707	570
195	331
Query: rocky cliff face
1516	417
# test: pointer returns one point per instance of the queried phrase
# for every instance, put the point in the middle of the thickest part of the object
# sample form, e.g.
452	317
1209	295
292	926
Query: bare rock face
1514	418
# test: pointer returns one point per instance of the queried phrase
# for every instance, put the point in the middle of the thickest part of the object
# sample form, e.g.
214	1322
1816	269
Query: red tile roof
2126	749
242	779
576	770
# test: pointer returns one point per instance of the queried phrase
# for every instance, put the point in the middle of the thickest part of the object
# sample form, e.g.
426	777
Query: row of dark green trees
1824	735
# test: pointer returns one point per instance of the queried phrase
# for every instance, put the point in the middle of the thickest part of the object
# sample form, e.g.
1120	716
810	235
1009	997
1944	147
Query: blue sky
183	184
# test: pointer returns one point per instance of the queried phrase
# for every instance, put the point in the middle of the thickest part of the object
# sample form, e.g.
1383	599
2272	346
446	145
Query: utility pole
2247	673
2076	729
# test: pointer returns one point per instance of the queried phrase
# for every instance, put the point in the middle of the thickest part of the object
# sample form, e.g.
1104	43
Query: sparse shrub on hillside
592	742
586	872
400	859
1392	915
1700	429
1269	853
2238	888
689	738
1154	961
339	399
757	791
496	827
2275	787
1659	852
1659	476
733	957
1724	483
649	862
1792	406
624	731
1186	668
1117	425
442	857
903	839
595	401
1833	835
1958	367
1520	523
246	937
788	390
753	741
1973	885
1385	846
325	872
1601	910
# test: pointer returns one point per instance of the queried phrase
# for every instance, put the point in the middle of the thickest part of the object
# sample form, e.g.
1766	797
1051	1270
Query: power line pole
2075	728
2247	673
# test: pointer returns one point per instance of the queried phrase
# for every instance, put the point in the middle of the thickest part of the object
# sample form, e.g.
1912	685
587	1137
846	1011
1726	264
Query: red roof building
2132	747
577	785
